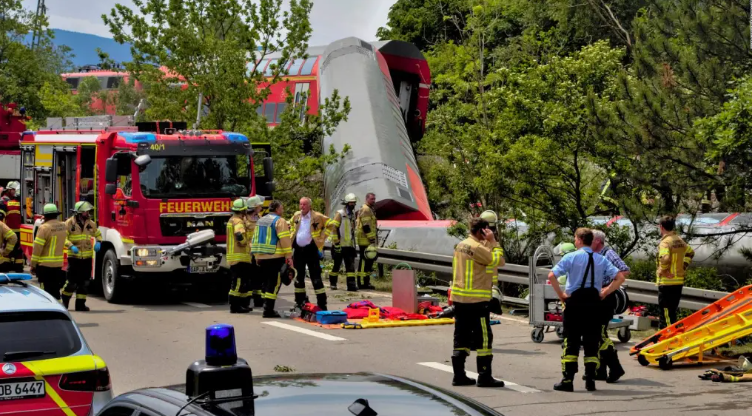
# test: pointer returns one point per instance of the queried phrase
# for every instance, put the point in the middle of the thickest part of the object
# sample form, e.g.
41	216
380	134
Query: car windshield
37	336
192	176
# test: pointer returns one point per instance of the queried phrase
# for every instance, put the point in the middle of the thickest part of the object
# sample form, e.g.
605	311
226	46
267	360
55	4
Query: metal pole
198	109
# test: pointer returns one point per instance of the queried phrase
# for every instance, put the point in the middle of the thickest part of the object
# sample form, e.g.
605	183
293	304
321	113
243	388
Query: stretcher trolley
545	310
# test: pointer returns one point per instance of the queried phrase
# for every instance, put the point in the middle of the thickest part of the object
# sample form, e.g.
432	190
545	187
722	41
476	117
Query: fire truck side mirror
110	188
110	171
142	160
269	169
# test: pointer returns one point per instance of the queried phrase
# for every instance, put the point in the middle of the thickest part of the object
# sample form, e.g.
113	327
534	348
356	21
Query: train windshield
192	176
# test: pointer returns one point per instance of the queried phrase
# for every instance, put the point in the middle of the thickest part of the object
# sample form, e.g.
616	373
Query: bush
696	277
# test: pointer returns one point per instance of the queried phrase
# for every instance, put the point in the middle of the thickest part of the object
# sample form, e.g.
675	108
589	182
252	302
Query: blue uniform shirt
574	264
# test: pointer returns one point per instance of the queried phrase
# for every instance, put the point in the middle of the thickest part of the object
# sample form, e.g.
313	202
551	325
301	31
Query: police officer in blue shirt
582	296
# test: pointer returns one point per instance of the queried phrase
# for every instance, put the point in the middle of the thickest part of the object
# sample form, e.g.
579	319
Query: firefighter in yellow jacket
239	258
47	257
255	205
366	234
80	230
342	231
674	256
471	295
272	248
8	240
308	232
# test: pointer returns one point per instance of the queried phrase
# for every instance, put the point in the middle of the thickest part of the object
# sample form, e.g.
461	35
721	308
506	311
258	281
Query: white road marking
304	331
507	384
197	305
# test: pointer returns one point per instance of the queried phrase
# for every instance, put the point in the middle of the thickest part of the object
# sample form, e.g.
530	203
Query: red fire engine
12	125
157	190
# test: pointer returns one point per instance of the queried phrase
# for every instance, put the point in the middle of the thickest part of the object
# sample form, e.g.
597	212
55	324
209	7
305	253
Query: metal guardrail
644	292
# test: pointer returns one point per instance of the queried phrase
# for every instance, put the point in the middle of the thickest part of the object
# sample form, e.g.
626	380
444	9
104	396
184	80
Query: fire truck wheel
112	285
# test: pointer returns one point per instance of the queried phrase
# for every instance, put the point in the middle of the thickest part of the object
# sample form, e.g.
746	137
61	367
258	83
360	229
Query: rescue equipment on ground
331	317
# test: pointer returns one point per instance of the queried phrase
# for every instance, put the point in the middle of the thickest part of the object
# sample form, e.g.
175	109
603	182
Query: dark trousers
472	331
582	327
308	256
606	350
240	287
668	302
5	267
346	256
270	272
256	284
17	257
78	277
365	267
51	279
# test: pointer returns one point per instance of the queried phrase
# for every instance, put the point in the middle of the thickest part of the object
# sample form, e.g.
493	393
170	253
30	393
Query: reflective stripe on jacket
81	237
13	216
319	232
674	256
366	226
237	250
271	239
49	244
8	239
343	231
471	282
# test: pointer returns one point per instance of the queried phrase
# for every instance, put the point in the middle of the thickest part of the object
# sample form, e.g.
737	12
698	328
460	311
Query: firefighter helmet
350	198
50	209
254	202
490	217
567	248
82	206
496	298
238	205
288	274
372	253
14	185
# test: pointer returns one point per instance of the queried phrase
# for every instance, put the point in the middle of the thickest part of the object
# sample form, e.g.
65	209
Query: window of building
269	110
113	82
269	68
308	66
73	82
281	107
295	67
301	92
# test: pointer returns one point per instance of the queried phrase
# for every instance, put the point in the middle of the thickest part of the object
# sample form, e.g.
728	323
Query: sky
330	19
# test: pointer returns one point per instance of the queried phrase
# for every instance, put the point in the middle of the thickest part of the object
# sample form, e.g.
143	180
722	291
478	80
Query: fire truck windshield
192	176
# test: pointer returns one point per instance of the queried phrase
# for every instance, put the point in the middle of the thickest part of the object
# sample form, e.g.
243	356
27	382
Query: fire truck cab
161	194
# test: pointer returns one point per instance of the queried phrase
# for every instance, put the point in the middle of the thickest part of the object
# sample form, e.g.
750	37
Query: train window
269	69
72	82
301	91
308	66
103	82
260	109
280	110
295	67
269	110
113	82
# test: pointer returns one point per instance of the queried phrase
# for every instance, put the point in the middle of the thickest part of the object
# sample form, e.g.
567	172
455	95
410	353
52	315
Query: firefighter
342	230
7	241
272	248
366	234
308	233
674	256
47	257
255	205
13	220
239	258
581	297
80	230
471	296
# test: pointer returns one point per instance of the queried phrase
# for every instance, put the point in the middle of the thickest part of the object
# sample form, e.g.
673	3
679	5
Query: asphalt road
153	342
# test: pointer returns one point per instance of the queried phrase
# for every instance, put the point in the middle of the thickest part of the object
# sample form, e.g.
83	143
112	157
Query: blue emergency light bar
14	277
220	345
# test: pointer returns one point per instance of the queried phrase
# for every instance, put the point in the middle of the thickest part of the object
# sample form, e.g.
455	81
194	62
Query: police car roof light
14	277
220	345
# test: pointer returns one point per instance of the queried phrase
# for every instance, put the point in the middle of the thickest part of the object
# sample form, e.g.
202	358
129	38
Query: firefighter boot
569	369
351	284
566	383
616	370
484	373
236	306
269	311
367	283
81	305
591	367
65	300
333	277
460	378
258	300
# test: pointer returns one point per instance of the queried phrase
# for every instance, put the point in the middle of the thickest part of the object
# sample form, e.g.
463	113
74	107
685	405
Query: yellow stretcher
696	342
393	324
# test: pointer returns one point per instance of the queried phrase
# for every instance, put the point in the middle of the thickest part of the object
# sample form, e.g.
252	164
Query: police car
46	368
223	385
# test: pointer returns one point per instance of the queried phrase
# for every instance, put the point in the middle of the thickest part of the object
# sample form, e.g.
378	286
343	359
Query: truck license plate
201	269
22	390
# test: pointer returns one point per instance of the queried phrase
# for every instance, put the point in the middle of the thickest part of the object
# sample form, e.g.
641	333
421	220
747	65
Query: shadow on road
517	352
642	382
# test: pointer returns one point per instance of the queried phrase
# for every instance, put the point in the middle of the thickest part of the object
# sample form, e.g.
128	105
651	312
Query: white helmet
490	217
350	198
14	185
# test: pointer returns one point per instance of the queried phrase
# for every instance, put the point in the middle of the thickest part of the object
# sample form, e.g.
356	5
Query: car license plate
201	269
22	390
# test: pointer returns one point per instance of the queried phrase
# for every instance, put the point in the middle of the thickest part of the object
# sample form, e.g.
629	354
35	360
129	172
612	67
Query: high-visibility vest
674	256
81	238
237	251
471	282
49	244
266	238
345	225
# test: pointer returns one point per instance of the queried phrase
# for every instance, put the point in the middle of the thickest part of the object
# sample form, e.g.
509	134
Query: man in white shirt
308	229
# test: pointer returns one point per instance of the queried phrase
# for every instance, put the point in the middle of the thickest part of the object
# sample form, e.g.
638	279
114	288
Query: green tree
90	96
59	102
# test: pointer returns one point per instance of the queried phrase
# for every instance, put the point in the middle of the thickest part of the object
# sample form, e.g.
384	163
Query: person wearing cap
238	258
13	220
47	257
581	297
7	241
80	230
308	234
272	248
472	291
610	369
255	205
366	235
342	230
